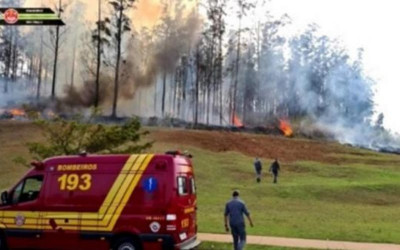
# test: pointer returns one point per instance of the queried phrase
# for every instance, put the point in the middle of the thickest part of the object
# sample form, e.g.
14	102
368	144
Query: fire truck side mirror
4	198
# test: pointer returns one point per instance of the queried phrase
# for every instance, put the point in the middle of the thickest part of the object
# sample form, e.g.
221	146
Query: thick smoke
148	53
304	77
332	90
18	92
160	52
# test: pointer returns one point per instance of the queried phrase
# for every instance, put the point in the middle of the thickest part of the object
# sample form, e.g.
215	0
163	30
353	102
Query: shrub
69	137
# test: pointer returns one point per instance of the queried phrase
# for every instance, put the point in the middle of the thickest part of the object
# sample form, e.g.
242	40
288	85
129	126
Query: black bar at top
35	22
29	10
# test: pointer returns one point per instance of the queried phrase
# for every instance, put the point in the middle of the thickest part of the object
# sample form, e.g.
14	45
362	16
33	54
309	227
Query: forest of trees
212	62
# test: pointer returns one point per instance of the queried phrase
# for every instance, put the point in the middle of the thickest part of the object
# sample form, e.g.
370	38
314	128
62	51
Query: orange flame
236	121
17	112
285	127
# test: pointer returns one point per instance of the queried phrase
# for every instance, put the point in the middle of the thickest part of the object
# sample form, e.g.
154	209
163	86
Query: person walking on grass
274	169
234	211
258	168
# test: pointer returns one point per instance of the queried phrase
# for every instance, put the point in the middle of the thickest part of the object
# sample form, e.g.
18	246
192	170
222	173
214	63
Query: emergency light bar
177	152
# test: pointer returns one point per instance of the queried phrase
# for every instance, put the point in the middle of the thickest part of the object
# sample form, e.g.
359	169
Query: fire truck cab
121	202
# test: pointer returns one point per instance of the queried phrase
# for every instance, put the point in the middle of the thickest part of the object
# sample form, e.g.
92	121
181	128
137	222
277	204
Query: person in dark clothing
234	210
258	168
274	169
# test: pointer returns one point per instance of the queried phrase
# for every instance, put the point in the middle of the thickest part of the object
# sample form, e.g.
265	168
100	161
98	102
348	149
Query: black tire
125	243
3	243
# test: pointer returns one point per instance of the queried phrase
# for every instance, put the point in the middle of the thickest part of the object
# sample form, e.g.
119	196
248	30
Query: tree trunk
116	83
40	67
14	64
163	94
207	93
30	74
220	80
247	101
176	81
258	44
139	93
221	32
204	101
220	104
236	72
210	81
53	85
73	65
9	61
155	97
22	67
97	90
6	85
178	94
196	108
46	76
183	90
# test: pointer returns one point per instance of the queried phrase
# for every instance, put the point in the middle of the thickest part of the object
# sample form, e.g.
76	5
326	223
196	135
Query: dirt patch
12	132
266	146
286	149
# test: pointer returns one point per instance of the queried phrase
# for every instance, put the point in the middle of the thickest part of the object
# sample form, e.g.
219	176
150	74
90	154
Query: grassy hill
326	190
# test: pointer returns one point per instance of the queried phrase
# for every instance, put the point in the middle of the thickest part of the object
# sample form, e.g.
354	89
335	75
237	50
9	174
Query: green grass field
355	196
355	202
225	246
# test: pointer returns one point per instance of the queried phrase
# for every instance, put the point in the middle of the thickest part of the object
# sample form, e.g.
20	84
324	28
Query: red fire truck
122	202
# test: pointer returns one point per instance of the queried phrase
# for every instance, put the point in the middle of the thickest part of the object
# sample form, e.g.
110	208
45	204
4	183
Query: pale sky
370	24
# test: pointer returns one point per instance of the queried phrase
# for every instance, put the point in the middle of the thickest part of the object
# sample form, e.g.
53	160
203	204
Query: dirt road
300	243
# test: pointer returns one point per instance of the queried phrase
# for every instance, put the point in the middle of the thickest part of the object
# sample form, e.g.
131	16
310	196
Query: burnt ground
289	150
266	146
17	133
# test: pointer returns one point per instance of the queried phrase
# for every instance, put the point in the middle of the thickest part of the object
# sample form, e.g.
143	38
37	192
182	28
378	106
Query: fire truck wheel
2	242
126	243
